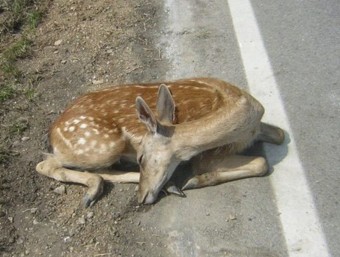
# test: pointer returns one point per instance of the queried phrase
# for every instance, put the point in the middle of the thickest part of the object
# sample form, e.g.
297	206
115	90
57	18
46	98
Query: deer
205	121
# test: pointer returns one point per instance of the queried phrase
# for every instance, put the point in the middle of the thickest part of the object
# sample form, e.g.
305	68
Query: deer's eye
140	159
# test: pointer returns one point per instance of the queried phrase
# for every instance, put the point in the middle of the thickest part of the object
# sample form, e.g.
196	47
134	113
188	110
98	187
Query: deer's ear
165	105
146	115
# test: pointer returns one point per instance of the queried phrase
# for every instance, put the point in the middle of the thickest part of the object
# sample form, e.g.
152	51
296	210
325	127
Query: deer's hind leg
53	168
211	169
271	134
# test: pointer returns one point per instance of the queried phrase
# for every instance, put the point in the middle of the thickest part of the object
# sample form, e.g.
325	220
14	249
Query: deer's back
106	119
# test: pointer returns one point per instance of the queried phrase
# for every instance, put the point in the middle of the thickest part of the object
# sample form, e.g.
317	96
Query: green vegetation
6	92
34	19
18	14
18	127
17	50
18	20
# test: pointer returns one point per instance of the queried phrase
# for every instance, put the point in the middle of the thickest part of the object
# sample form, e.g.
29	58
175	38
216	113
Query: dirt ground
81	44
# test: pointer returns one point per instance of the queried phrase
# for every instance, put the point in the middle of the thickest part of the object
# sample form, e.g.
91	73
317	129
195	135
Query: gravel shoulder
79	46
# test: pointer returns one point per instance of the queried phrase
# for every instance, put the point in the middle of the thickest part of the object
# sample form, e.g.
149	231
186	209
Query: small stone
67	239
81	220
35	222
25	139
89	215
232	217
34	210
11	219
60	190
16	143
63	61
58	42
97	82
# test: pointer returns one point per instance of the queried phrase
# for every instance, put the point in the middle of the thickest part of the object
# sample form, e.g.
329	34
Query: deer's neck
223	126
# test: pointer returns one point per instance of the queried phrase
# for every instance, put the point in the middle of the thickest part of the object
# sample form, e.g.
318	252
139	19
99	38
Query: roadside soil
80	45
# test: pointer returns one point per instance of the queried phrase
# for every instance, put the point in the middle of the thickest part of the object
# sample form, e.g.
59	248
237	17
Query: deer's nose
146	197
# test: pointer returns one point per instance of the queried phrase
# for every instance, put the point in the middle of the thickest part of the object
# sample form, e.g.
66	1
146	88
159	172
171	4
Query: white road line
299	219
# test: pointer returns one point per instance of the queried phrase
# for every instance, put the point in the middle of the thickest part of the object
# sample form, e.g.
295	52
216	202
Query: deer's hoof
191	184
175	191
96	187
88	201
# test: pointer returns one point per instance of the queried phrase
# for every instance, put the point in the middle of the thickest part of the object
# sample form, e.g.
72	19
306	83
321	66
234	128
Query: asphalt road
287	53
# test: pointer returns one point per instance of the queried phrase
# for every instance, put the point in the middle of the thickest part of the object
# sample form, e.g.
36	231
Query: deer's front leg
171	188
53	169
211	170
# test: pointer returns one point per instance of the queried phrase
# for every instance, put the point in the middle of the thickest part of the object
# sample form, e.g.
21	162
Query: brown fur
100	127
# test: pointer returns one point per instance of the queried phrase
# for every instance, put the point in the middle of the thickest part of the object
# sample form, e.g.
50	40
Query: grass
34	18
18	14
18	21
15	51
30	94
20	17
6	92
18	127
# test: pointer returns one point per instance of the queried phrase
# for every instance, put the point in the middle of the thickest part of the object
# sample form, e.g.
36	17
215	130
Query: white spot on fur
79	151
82	141
93	143
103	148
83	125
106	136
66	141
96	131
76	121
71	129
82	117
87	133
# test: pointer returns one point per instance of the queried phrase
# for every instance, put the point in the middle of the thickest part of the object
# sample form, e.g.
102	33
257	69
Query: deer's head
156	158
